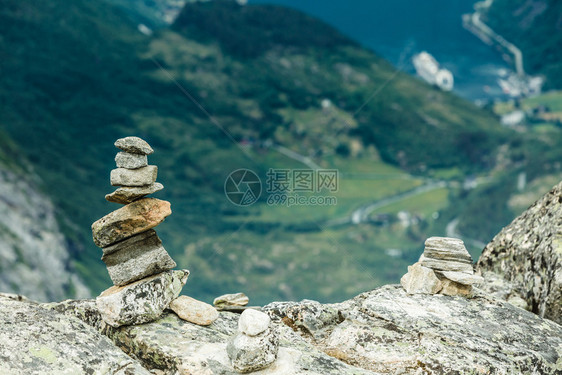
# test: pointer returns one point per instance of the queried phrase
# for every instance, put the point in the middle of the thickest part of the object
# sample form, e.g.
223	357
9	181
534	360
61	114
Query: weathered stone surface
194	311
130	243
461	277
253	353
134	145
36	340
129	220
235	299
384	331
420	279
140	256
452	288
446	254
142	301
528	255
134	177
253	322
389	331
126	194
130	161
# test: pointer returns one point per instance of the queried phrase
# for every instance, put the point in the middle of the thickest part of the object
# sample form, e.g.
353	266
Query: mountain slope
80	75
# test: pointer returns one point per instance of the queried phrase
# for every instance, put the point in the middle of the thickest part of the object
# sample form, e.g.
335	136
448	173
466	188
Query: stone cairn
138	264
445	267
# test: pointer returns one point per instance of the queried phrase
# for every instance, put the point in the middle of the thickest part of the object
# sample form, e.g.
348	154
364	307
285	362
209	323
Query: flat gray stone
461	277
134	145
134	177
445	265
446	248
234	299
140	257
126	195
142	301
130	161
130	243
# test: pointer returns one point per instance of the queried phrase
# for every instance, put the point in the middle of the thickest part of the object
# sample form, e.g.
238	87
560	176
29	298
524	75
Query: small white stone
253	322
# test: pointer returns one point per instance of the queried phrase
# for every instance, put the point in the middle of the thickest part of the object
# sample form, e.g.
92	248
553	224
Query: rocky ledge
384	331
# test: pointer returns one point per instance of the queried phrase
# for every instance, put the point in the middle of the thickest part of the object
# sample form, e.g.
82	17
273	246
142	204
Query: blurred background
442	117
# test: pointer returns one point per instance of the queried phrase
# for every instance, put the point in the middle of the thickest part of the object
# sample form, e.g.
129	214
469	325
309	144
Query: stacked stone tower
136	261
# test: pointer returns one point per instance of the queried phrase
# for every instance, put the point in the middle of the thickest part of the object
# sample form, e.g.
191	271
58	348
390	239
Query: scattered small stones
445	267
137	263
255	351
235	299
194	311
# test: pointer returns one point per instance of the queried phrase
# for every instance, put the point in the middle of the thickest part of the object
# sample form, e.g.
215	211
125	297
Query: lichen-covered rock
129	220
37	340
137	257
389	331
194	311
134	177
128	194
130	161
173	346
134	145
420	279
142	301
253	353
527	254
384	331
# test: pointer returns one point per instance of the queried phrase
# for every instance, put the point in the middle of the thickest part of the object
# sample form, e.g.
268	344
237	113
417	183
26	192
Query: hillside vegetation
78	75
535	26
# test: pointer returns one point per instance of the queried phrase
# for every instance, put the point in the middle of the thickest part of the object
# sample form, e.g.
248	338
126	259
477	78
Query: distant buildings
428	69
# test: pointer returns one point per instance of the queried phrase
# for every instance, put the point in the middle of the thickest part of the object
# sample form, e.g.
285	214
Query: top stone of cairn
134	145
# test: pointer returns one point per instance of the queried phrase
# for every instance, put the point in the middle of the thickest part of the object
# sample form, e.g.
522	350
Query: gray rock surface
527	255
142	301
134	145
253	353
253	322
37	340
130	161
134	177
446	254
126	195
384	331
139	256
389	331
461	277
34	255
420	279
234	299
129	220
194	311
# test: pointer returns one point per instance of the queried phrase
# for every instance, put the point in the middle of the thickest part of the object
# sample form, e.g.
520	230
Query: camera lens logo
242	187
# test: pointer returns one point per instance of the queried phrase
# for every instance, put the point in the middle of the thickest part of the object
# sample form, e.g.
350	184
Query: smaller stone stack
445	267
256	343
136	261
